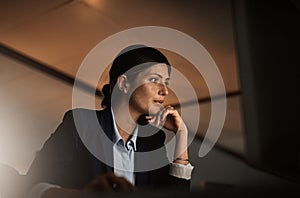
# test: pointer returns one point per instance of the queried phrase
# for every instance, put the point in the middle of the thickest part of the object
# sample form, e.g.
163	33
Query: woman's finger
167	111
157	119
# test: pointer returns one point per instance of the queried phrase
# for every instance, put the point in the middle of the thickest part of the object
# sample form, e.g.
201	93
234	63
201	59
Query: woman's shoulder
82	113
77	120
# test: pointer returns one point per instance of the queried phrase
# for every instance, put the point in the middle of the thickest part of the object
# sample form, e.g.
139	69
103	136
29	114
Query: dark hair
128	58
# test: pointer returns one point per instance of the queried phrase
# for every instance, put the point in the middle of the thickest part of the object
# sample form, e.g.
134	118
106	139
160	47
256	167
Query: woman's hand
109	182
168	118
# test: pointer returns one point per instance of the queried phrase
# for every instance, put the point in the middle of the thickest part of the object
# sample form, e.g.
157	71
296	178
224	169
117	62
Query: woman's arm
170	119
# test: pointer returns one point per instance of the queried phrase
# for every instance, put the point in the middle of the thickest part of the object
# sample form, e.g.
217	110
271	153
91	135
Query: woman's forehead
160	68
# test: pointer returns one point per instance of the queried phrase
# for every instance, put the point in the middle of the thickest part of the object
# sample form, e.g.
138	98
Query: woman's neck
124	121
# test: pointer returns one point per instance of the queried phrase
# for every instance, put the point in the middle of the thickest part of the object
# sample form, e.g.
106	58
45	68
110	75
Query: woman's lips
159	101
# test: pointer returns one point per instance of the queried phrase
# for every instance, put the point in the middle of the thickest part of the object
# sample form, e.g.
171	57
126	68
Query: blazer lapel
106	122
142	179
148	140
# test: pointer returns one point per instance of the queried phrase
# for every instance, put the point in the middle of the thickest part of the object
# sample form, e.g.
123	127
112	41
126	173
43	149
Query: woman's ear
123	84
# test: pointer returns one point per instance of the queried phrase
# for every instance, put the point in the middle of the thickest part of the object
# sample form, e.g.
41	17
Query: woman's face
149	89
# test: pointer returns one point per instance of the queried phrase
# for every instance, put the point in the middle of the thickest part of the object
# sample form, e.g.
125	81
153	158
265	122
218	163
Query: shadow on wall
11	182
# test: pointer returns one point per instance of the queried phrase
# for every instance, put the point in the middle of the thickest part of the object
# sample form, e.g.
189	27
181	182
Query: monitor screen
268	43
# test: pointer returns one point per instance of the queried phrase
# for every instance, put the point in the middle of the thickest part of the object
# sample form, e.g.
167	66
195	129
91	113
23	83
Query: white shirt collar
117	137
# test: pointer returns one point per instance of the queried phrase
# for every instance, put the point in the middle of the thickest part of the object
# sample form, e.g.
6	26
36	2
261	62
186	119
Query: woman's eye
154	80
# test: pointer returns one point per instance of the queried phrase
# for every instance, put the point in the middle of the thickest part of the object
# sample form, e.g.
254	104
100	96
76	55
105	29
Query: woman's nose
163	90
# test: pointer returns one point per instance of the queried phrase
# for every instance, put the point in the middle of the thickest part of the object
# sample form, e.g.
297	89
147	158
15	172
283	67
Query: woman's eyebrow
159	76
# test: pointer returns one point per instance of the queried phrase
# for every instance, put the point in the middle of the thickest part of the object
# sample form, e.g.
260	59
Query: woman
132	118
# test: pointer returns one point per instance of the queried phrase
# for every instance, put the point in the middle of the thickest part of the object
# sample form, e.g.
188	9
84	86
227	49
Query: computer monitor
268	48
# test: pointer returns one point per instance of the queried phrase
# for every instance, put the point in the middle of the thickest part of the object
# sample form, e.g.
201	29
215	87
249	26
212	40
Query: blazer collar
106	122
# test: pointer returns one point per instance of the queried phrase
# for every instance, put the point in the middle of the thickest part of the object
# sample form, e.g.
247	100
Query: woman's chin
155	109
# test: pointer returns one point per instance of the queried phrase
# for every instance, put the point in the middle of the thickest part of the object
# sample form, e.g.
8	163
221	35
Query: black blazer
64	159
